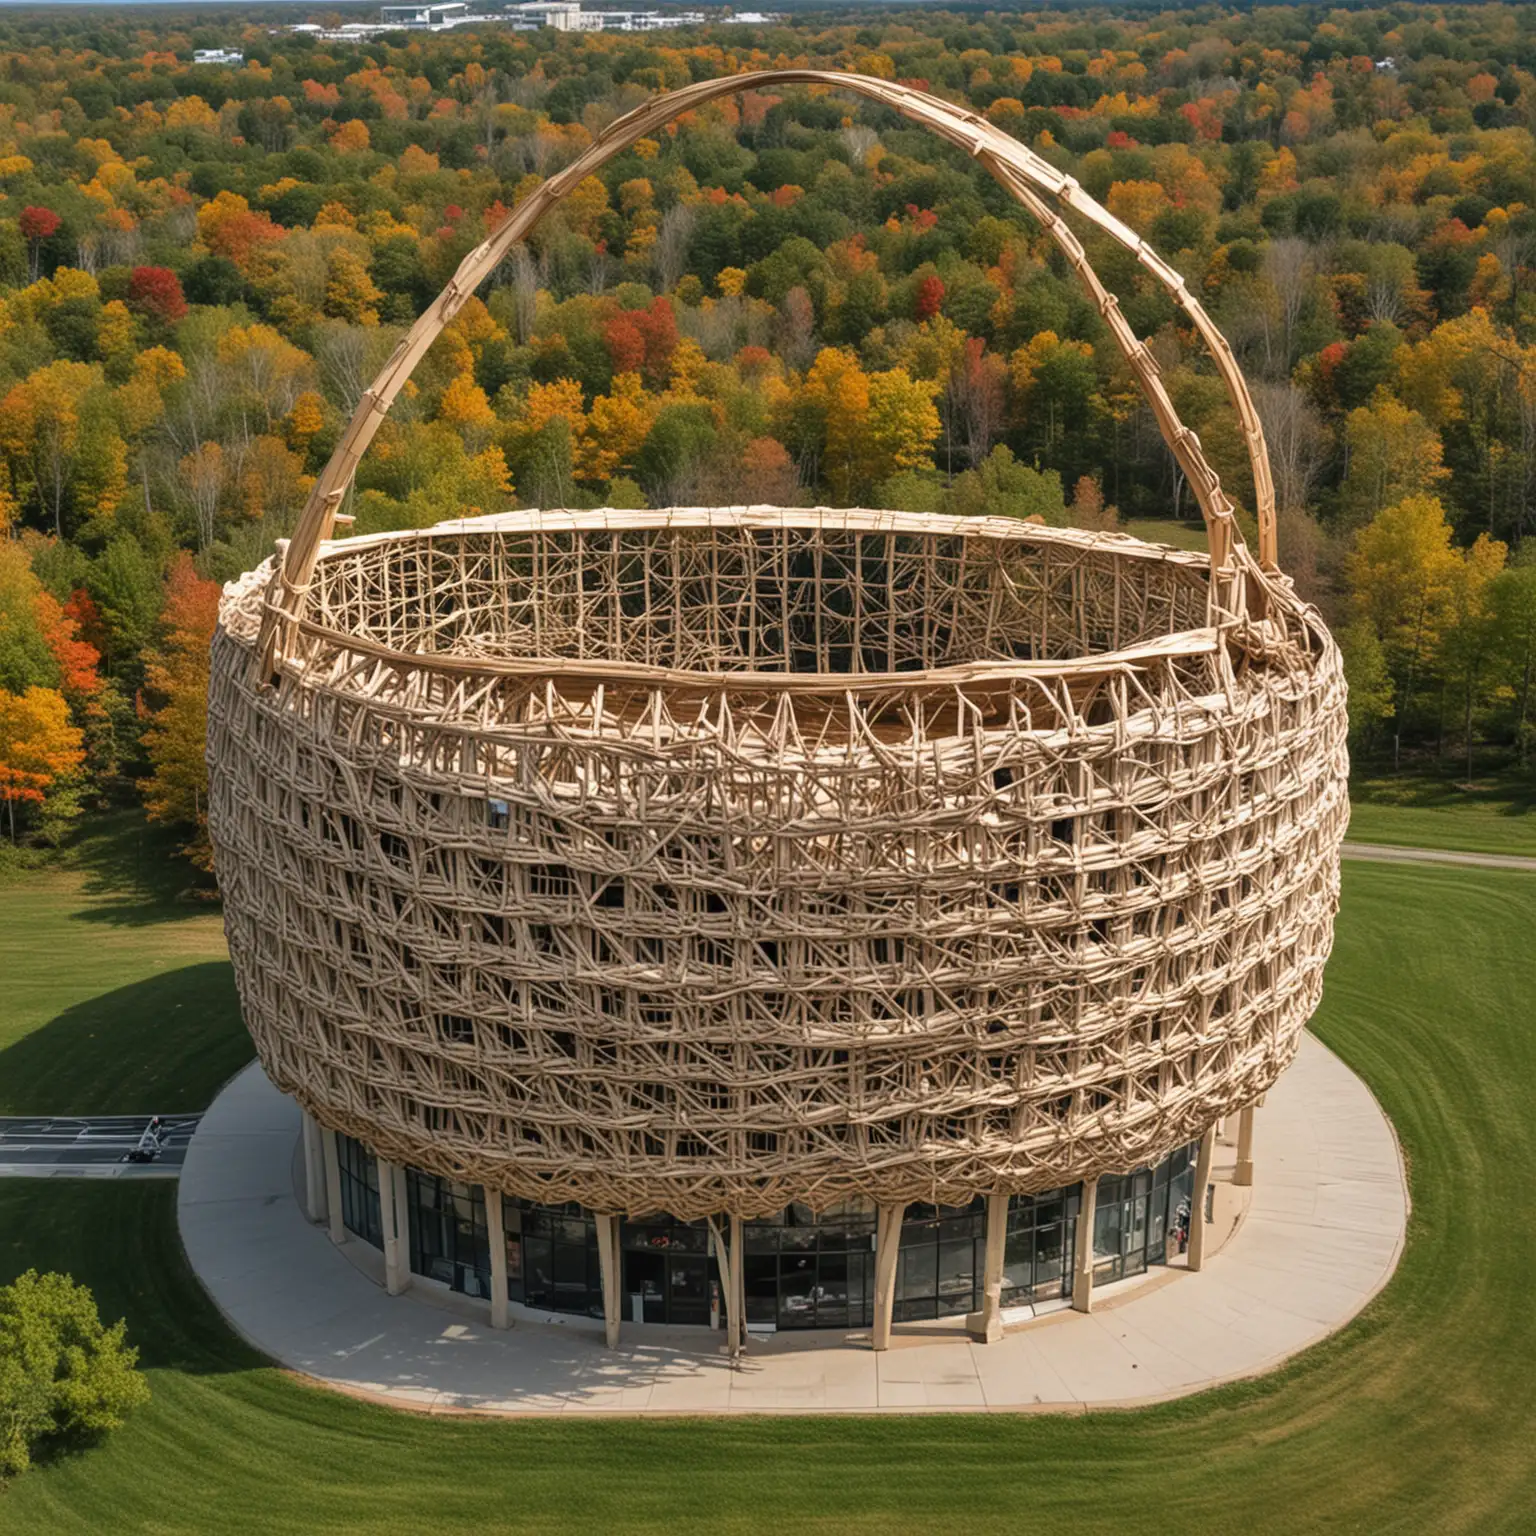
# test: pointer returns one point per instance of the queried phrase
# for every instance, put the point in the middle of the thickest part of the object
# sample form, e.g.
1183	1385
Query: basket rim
997	674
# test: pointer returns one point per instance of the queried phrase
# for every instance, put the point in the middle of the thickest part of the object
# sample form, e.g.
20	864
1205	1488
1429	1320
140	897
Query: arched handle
1016	167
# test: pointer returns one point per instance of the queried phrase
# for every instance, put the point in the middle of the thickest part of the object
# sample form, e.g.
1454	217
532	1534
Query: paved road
89	1146
1388	854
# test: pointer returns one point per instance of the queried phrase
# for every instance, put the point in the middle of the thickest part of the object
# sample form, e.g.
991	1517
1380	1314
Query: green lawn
1419	809
1180	532
116	995
1416	1419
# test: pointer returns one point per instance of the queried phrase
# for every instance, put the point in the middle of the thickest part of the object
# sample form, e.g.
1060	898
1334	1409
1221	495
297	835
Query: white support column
608	1264
1243	1173
314	1171
391	1208
986	1326
496	1233
1197	1200
887	1246
331	1156
1082	1249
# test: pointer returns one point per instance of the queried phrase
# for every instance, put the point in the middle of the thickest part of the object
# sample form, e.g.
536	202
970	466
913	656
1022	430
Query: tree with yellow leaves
869	425
39	746
1393	453
465	408
1402	576
616	429
350	293
61	443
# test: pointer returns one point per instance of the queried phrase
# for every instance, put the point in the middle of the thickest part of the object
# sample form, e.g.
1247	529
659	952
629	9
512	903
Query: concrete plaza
1321	1234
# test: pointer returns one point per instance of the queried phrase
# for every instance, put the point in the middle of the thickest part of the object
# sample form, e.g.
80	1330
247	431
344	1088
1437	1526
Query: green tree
1470	641
65	1378
1371	691
176	791
1513	602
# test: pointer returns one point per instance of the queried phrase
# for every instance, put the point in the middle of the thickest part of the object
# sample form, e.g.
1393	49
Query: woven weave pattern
702	861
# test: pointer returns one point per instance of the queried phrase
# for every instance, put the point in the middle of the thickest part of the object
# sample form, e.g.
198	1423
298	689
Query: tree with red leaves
930	297
156	292
37	224
643	340
625	344
78	660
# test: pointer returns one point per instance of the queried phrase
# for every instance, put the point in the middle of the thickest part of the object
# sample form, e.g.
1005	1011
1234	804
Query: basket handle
1023	173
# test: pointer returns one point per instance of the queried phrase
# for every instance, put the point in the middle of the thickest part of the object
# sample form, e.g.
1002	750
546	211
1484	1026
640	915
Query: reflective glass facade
552	1257
802	1270
448	1236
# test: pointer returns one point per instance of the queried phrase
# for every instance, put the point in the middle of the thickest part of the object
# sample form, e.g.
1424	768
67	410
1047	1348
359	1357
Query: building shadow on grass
159	1046
135	874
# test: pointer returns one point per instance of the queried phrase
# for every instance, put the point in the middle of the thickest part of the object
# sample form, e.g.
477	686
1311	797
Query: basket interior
783	598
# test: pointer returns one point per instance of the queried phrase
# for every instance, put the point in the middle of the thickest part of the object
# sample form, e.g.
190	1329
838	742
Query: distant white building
561	15
217	56
568	16
438	15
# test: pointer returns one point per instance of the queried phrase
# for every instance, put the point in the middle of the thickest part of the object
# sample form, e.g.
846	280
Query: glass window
360	1212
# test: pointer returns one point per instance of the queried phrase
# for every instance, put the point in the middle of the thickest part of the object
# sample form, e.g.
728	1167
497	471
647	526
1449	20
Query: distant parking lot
90	1146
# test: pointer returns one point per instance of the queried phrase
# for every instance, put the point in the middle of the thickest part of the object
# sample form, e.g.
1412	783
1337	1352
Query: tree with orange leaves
176	792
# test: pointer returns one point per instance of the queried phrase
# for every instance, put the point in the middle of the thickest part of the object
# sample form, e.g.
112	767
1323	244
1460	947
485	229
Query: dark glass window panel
538	1271
957	1273
761	1279
917	1273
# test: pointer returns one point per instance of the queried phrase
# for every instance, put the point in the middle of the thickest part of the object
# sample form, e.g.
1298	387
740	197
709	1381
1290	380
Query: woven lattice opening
759	591
708	860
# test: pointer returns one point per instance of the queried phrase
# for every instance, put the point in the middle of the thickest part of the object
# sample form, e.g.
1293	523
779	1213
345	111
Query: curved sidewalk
1322	1235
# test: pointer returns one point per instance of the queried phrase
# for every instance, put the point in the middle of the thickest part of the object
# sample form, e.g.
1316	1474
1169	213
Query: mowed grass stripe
1417	1418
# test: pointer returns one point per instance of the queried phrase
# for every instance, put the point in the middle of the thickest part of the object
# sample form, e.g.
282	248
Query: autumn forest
792	297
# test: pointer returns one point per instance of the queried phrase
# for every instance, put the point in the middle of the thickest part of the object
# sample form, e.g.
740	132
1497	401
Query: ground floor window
449	1240
360	1212
552	1257
668	1273
1037	1255
801	1269
941	1262
1142	1218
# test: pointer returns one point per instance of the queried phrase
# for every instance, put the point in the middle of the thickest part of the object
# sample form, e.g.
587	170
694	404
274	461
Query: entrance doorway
666	1265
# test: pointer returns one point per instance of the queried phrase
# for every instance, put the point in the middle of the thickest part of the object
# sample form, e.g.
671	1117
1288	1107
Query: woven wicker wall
703	861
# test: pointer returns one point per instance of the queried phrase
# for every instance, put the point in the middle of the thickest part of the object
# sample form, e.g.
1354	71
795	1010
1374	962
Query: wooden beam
1082	1249
732	1292
887	1245
986	1326
496	1232
739	1278
1197	1221
608	1261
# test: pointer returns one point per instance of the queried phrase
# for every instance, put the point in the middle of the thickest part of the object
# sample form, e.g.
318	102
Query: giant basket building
801	917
